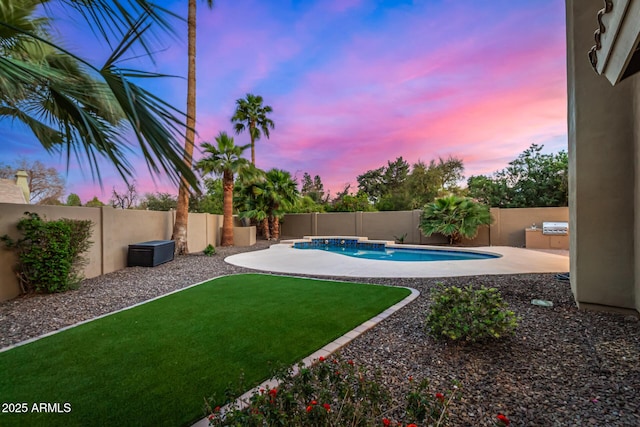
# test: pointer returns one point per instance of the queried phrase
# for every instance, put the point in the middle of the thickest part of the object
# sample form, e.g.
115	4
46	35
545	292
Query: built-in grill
555	228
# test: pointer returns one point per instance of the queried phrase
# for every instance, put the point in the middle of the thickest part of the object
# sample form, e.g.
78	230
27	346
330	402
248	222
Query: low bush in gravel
335	392
467	314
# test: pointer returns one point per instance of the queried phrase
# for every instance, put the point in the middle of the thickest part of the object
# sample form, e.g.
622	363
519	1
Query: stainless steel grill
555	228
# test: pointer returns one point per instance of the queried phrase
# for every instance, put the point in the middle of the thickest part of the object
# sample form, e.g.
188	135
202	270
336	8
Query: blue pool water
381	252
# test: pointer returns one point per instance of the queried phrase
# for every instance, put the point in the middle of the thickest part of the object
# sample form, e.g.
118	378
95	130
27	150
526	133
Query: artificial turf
155	364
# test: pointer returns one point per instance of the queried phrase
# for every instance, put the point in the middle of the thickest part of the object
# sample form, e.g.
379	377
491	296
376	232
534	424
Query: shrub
334	392
209	250
454	217
469	315
50	253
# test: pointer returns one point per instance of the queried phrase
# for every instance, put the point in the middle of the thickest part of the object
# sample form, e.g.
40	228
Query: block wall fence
113	231
507	229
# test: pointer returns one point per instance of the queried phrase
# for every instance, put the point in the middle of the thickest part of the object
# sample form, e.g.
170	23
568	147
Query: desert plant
209	250
50	253
469	314
400	239
455	217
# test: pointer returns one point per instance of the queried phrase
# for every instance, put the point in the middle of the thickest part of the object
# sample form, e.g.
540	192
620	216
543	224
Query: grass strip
154	364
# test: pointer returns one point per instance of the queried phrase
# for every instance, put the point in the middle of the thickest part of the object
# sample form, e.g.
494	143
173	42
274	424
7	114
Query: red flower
440	397
309	408
326	406
216	409
386	422
412	425
350	362
314	402
504	419
321	358
273	392
410	380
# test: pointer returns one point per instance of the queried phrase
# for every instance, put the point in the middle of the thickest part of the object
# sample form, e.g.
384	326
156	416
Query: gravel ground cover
563	367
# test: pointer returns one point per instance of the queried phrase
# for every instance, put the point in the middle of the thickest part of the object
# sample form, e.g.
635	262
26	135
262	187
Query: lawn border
325	351
244	400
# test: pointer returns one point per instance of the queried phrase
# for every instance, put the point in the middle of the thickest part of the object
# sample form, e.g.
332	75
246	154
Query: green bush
469	315
50	253
209	250
454	217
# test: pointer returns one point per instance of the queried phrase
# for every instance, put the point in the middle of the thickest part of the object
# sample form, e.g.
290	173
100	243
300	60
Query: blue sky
354	83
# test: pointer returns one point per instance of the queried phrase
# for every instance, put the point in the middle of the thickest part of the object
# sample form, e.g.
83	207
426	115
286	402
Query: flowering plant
335	392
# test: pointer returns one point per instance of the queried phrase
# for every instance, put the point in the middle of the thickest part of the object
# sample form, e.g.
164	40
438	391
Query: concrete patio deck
282	258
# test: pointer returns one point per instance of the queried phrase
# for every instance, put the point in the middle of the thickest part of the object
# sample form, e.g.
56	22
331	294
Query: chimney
22	181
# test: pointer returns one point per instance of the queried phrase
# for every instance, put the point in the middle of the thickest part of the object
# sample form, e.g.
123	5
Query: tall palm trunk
252	127
227	209
182	208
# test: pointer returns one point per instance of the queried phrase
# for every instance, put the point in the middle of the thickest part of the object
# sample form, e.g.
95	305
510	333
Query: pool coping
244	400
387	244
284	259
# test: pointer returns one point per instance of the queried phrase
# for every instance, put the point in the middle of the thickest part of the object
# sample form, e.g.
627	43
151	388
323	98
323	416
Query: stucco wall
602	177
509	224
338	223
113	231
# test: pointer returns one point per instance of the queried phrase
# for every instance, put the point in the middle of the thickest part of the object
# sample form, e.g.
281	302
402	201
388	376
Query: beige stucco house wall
604	159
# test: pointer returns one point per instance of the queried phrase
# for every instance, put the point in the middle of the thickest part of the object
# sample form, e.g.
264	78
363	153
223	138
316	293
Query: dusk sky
355	83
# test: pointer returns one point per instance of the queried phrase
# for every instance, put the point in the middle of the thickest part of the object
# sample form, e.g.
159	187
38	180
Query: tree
126	199
455	217
45	183
158	202
422	185
89	110
447	173
282	195
533	179
267	200
211	200
395	174
94	203
73	200
252	115
252	203
179	234
385	186
372	183
225	158
314	189
347	202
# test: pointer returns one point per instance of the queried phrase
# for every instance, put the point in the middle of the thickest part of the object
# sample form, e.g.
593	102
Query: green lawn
154	364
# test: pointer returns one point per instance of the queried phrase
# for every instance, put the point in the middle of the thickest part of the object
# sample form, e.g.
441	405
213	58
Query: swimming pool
383	251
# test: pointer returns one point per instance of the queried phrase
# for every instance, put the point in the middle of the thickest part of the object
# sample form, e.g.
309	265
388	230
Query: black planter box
150	254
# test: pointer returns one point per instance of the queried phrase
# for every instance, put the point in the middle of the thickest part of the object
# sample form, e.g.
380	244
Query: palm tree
253	204
283	195
72	105
250	114
182	209
225	158
455	217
